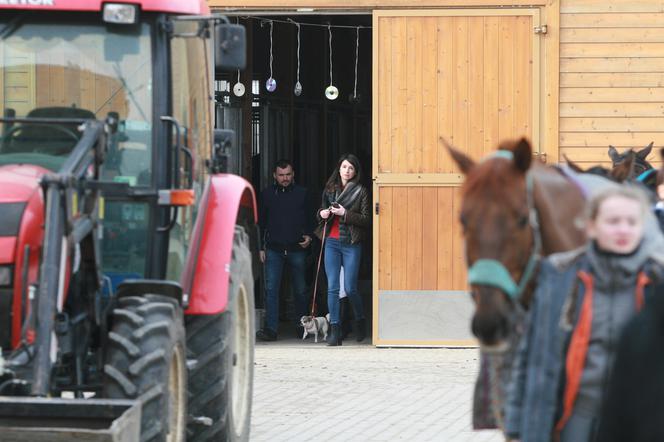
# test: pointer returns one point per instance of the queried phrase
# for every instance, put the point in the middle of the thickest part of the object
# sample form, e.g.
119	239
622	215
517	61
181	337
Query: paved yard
309	392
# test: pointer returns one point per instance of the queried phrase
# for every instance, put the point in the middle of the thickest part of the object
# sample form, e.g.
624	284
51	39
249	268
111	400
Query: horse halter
492	272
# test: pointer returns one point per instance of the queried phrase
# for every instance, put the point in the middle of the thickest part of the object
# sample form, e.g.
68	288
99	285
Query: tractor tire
221	381
146	359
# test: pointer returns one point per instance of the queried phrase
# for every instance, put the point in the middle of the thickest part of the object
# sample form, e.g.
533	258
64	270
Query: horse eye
463	220
523	221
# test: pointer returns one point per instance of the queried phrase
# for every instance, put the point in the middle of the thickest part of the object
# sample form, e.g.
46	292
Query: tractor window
191	88
74	70
124	243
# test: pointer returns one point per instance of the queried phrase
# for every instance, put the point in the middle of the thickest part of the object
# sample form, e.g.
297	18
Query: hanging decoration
298	86
271	83
238	88
356	98
331	92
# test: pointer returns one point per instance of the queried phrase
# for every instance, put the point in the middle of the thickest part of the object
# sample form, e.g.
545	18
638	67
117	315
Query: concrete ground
310	392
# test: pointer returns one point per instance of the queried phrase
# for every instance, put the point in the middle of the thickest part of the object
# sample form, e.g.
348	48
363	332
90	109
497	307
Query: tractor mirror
230	47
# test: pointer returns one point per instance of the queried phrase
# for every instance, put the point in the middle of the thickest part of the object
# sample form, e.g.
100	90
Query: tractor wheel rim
240	360
176	398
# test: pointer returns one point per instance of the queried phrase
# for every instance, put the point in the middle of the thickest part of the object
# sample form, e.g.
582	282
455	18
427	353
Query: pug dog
314	326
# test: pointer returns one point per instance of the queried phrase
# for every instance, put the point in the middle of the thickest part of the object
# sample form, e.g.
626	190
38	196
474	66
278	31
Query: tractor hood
19	182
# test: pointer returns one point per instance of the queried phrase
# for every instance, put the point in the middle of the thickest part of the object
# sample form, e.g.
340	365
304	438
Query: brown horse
514	210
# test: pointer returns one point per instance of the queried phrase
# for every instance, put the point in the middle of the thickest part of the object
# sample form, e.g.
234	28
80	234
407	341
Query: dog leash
320	257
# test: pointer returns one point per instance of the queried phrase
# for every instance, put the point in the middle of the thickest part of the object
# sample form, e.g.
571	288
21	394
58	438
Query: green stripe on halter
505	154
493	273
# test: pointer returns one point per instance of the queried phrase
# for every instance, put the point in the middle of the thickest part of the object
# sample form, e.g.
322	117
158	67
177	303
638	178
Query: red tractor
125	268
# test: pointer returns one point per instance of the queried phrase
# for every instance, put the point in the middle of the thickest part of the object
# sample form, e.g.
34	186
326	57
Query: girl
345	213
583	300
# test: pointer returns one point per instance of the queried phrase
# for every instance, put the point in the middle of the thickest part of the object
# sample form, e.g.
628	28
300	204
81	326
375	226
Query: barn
572	75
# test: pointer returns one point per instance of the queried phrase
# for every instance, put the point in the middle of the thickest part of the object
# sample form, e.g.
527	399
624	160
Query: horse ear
623	170
613	154
523	155
572	165
464	162
643	153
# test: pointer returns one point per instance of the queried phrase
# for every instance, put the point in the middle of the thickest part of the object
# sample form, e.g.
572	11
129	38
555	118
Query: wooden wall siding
16	81
420	243
611	77
468	79
354	5
49	81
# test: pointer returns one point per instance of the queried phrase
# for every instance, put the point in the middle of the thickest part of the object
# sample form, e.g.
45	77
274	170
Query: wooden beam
367	4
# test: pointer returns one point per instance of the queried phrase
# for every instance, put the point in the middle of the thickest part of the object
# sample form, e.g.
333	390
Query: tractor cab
149	73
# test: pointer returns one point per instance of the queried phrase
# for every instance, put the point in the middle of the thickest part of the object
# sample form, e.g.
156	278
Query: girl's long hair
334	182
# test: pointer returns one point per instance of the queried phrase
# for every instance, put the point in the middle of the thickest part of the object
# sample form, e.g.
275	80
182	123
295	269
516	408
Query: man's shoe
266	334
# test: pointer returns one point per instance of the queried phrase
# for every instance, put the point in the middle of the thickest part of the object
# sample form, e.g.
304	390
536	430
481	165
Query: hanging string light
331	92
356	98
298	86
271	83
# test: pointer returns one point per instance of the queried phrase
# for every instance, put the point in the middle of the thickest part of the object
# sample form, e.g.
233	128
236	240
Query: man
286	222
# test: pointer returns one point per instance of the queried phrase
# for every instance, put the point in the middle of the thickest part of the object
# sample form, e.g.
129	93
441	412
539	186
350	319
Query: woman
343	221
583	300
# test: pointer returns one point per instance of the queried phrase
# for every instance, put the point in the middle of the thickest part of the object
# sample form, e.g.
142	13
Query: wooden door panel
469	76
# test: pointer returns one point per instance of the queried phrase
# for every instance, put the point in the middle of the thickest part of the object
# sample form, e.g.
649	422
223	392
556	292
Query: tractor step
63	420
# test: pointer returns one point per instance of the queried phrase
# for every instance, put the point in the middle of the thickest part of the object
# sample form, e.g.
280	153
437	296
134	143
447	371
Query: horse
514	210
642	171
625	171
620	172
641	164
512	205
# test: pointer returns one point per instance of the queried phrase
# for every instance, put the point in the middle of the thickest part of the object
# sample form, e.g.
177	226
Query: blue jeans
348	255
274	266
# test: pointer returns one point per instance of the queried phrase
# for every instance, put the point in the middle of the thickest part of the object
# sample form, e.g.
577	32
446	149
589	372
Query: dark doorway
310	130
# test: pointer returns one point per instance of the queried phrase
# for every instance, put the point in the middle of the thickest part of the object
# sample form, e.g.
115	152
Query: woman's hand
339	210
325	213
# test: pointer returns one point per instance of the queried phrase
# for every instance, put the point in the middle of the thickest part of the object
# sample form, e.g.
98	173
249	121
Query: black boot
344	320
334	338
360	329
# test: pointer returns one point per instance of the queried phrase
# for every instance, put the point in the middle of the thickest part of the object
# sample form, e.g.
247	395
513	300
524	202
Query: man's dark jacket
285	214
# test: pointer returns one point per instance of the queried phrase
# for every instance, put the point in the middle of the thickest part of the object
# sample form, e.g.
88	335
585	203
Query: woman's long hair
334	182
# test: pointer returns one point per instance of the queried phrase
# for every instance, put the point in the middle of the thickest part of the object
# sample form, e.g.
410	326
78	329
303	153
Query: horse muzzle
492	318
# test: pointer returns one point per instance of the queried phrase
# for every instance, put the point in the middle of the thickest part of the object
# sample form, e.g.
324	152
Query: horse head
621	171
640	163
501	237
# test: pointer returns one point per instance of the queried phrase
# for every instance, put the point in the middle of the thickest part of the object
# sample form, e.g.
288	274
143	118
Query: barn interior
308	128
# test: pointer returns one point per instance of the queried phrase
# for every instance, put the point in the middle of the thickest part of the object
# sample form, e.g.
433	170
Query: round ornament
271	84
298	89
331	92
238	89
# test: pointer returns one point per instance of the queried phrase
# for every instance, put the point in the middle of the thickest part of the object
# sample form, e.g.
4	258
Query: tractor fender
207	267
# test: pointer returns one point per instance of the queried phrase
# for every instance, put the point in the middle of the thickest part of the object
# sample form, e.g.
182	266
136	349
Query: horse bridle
492	272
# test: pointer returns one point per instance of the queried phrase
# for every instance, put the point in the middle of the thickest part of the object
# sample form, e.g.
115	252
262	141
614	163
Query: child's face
660	192
618	226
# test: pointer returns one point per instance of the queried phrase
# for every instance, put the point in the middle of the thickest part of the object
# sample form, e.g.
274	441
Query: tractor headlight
120	13
5	276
